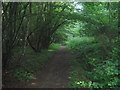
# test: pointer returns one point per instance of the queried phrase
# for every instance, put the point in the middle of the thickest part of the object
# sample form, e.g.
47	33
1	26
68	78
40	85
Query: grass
54	47
31	62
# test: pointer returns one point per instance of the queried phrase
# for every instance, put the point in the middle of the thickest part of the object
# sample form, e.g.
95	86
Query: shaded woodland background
31	32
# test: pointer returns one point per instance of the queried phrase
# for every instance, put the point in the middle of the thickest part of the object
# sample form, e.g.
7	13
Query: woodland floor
55	73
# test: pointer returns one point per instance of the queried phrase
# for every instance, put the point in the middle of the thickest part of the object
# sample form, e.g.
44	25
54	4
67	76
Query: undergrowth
77	74
100	63
24	66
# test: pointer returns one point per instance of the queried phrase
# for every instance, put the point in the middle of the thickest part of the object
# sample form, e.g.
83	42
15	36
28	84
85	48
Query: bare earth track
55	73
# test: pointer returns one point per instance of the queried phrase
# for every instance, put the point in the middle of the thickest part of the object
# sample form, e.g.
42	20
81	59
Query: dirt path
55	74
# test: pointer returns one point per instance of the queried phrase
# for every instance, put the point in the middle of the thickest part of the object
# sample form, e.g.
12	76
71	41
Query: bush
54	46
29	63
100	62
76	43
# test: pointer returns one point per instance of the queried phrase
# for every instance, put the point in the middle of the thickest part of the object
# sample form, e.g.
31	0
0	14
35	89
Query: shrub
100	64
54	46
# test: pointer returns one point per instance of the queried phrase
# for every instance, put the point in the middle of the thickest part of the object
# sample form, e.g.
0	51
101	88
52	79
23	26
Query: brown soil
55	73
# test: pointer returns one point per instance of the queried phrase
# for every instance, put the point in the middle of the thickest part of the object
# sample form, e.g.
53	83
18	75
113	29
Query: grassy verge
54	47
23	67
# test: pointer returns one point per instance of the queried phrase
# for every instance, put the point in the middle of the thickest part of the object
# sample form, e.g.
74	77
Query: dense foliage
32	24
98	48
90	30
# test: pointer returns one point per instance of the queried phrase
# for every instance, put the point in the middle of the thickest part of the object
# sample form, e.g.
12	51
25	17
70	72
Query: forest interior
60	44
